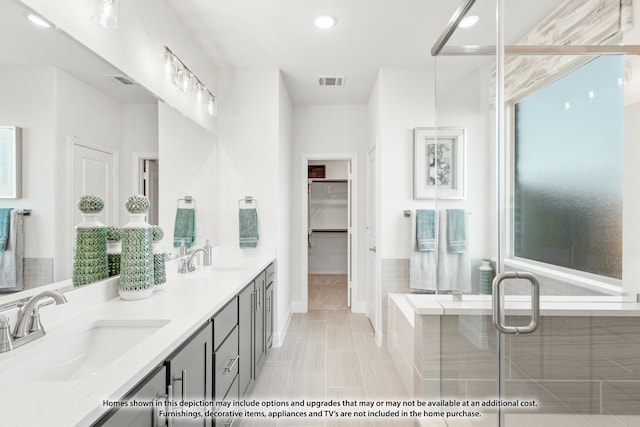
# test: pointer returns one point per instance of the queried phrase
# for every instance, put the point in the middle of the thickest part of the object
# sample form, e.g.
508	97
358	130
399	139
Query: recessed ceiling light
325	22
38	21
468	21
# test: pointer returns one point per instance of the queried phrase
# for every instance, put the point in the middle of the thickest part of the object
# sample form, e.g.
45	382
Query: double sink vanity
203	337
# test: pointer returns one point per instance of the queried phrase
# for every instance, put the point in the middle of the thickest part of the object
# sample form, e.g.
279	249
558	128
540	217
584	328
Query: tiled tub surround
584	358
187	302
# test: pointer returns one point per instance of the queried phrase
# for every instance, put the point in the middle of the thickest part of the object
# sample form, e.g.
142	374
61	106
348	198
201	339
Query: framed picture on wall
439	163
10	162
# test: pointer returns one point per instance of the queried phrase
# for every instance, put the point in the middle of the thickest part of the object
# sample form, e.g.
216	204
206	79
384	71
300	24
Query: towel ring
188	200
248	200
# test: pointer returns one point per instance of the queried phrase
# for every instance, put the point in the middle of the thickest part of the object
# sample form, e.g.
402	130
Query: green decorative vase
90	250
136	261
114	249
486	278
159	270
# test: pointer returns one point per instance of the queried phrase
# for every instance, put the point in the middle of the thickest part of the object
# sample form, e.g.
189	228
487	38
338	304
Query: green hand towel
426	230
456	231
184	228
5	214
248	220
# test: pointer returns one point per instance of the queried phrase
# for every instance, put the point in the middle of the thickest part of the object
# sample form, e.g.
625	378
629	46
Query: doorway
328	226
145	176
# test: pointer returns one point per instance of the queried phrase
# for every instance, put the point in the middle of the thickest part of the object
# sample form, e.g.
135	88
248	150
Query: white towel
422	265
454	269
12	258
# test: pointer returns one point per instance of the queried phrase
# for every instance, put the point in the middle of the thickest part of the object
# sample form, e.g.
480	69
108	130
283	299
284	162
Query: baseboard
278	338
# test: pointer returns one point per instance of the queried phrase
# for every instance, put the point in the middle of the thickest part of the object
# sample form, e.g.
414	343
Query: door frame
73	140
356	303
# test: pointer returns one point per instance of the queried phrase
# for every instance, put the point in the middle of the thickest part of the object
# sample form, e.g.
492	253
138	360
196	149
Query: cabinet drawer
224	321
271	273
226	361
232	395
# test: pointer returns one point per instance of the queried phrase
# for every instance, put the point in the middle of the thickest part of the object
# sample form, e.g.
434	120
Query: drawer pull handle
183	380
232	364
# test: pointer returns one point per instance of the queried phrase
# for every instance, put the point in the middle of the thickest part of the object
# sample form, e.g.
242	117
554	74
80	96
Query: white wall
328	129
28	101
188	167
407	100
137	45
255	160
140	135
284	242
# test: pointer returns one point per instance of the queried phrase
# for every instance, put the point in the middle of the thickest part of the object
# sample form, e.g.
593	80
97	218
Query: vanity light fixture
324	22
105	13
35	19
184	79
468	21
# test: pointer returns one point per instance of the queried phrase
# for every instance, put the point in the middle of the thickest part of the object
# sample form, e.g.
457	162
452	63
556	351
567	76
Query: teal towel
184	228
5	214
456	231
426	230
248	220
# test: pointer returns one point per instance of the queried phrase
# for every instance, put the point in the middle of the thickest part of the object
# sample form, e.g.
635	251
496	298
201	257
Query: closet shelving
328	204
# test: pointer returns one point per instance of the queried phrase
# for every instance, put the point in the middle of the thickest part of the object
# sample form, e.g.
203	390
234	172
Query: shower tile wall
37	272
583	365
395	280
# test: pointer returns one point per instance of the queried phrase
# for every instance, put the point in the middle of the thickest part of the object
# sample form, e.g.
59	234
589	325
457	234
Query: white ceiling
369	35
25	44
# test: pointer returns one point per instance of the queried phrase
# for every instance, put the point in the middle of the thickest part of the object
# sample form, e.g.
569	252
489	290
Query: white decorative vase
136	261
486	278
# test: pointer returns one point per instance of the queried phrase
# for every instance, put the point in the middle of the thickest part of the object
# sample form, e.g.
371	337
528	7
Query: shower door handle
498	309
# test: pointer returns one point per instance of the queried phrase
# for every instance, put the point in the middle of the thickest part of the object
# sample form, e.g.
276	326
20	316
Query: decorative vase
90	251
159	270
114	249
486	278
136	261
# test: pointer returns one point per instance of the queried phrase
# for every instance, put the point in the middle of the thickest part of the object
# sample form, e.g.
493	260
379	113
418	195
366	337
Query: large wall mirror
86	128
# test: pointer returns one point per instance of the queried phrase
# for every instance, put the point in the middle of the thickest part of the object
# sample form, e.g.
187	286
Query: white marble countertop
516	305
187	302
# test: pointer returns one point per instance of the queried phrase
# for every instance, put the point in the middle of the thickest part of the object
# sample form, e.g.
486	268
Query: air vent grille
331	81
124	80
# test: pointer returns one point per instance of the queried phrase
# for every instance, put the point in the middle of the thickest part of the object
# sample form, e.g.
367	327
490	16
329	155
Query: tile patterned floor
327	291
329	355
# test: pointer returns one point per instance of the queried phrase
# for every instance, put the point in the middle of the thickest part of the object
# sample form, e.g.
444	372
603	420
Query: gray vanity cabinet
189	373
259	338
268	308
245	335
226	357
151	389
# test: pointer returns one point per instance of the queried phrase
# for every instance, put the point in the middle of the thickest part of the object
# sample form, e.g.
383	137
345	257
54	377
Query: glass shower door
554	177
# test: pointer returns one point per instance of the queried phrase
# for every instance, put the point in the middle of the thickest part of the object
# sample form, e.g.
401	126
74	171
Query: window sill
589	281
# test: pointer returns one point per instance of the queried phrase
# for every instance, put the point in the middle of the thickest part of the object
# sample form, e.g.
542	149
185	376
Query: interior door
95	172
349	237
373	307
150	188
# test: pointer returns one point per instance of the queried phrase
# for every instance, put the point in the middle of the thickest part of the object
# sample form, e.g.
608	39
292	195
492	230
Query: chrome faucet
28	326
187	265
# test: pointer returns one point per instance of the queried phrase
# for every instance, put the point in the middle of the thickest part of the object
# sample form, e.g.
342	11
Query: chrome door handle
373	249
498	310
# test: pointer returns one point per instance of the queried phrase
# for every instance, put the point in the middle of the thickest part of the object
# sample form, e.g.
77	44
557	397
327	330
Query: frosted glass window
568	170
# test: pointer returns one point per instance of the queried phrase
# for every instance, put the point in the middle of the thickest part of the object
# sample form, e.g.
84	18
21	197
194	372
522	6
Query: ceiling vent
331	81
124	80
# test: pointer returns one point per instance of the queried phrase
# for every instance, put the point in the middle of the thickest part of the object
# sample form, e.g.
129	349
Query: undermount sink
85	353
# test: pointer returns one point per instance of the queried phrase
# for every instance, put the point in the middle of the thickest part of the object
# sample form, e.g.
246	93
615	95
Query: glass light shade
199	90
212	106
105	13
185	80
169	68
